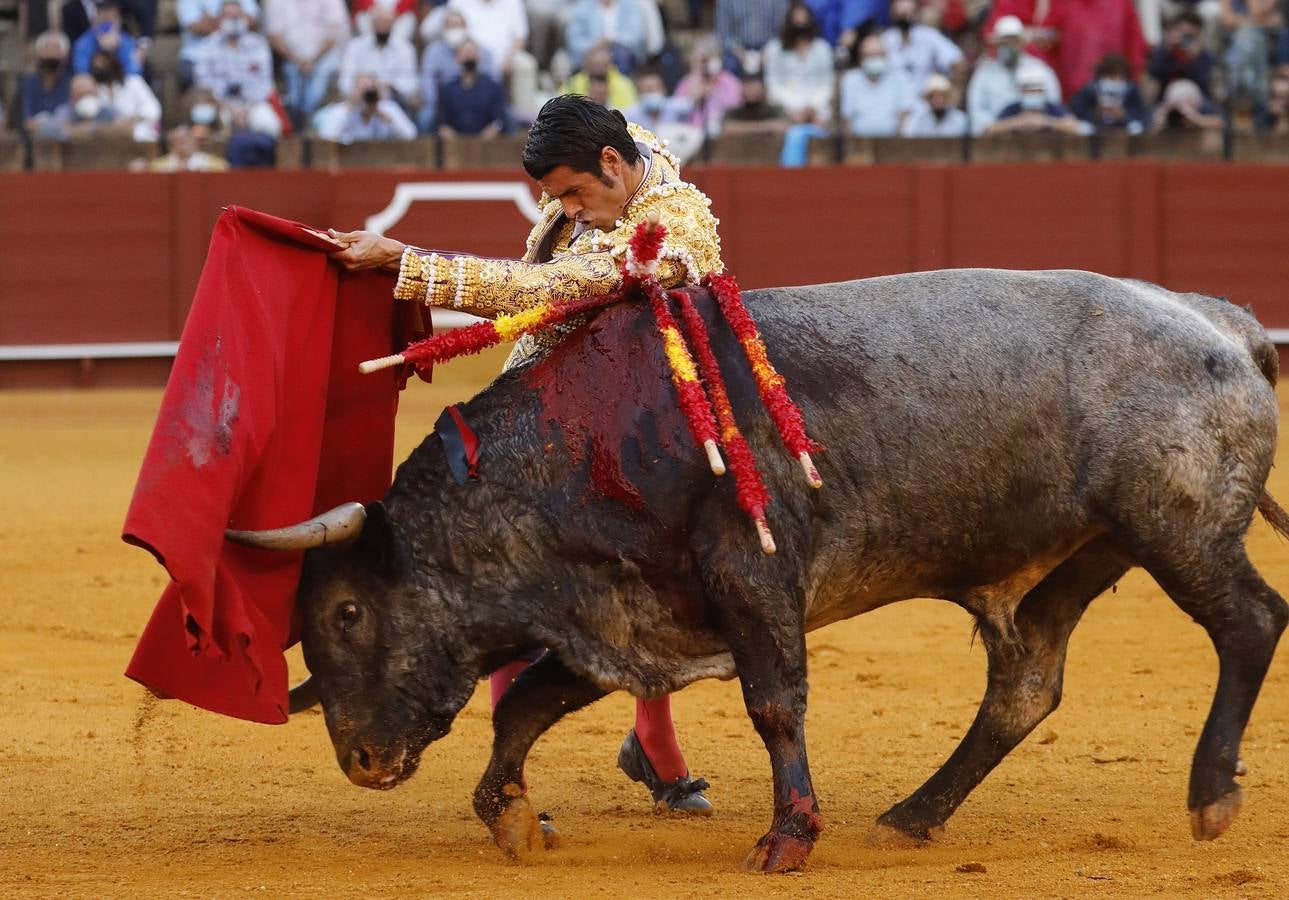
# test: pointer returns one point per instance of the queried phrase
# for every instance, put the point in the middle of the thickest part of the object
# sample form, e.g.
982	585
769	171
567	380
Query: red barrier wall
115	257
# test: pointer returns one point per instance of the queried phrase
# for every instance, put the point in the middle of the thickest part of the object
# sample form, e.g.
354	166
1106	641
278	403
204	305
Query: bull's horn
303	696
344	523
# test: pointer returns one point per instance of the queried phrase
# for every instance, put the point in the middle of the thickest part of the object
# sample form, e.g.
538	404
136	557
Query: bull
1012	442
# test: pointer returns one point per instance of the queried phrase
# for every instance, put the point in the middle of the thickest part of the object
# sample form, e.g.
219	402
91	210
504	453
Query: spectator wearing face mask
995	84
598	71
709	88
1111	102
106	34
236	66
84	115
1034	112
307	36
77	17
1273	118
390	59
667	117
875	98
439	65
235	62
935	116
403	11
368	114
198	20
134	105
918	50
474	103
1183	54
185	155
755	114
501	28
799	69
50	86
1183	107
203	116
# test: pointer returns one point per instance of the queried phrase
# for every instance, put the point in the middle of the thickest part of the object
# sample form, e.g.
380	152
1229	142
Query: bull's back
966	412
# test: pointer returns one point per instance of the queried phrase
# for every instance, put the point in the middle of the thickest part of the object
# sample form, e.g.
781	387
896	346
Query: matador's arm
493	287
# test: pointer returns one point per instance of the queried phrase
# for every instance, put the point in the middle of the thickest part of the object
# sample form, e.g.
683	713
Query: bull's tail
1274	513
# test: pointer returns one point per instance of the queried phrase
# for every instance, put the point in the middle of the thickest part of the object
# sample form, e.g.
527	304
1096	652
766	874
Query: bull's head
385	653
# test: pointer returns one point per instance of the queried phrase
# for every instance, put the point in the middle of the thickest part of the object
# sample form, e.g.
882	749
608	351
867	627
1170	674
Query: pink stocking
657	736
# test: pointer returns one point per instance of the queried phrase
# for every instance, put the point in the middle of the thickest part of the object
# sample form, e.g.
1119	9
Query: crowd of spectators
249	71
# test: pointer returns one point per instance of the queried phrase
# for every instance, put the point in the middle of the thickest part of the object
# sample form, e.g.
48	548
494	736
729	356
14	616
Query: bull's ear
378	542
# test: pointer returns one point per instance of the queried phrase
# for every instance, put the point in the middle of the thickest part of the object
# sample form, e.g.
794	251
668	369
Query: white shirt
496	24
133	99
305	26
798	82
394	64
927	51
873	108
994	87
922	123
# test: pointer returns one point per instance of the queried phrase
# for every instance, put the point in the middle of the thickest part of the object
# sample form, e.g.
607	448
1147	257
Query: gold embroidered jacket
563	265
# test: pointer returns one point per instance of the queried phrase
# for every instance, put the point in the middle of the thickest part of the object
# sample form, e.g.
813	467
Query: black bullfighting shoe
685	794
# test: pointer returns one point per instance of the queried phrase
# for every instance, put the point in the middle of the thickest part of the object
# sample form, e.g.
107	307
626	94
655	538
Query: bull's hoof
778	852
1209	822
518	831
892	837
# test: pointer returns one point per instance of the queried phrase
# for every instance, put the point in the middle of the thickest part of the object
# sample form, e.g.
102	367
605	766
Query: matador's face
595	202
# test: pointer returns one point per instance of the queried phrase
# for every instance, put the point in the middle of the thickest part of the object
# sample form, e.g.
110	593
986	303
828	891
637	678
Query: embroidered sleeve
494	287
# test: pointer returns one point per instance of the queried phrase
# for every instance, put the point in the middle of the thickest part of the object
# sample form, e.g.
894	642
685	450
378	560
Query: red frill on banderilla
704	398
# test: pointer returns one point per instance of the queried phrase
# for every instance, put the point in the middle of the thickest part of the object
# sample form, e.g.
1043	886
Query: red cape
265	422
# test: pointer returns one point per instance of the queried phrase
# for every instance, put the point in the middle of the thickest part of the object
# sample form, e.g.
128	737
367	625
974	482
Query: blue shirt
468	110
837	16
36	100
87	45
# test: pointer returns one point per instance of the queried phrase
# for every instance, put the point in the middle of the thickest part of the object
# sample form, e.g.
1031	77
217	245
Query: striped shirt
748	24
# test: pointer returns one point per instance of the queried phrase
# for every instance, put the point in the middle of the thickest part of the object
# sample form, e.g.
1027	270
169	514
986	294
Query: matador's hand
366	250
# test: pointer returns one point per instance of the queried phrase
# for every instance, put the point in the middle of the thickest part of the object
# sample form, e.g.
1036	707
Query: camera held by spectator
368	114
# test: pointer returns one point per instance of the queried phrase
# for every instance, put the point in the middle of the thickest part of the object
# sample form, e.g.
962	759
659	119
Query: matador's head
582	155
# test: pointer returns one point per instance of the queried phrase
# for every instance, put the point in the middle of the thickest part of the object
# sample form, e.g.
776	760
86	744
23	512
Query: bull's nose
372	768
362	759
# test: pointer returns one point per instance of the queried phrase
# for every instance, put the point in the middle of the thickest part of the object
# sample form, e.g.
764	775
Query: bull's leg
770	655
1219	588
542	694
1024	686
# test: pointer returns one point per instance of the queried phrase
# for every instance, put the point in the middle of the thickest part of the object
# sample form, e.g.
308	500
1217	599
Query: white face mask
1032	101
88	107
874	66
454	36
235	27
713	66
203	113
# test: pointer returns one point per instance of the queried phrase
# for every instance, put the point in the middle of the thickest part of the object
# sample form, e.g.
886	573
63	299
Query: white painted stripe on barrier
443	320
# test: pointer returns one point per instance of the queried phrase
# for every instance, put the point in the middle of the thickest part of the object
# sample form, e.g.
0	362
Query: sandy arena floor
106	794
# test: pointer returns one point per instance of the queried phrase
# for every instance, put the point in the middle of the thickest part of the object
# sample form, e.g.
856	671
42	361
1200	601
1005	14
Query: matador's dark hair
572	130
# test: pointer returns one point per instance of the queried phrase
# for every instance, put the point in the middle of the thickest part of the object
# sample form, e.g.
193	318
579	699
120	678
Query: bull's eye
348	614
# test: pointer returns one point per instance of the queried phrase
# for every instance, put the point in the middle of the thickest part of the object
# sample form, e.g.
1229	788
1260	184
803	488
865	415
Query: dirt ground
105	794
